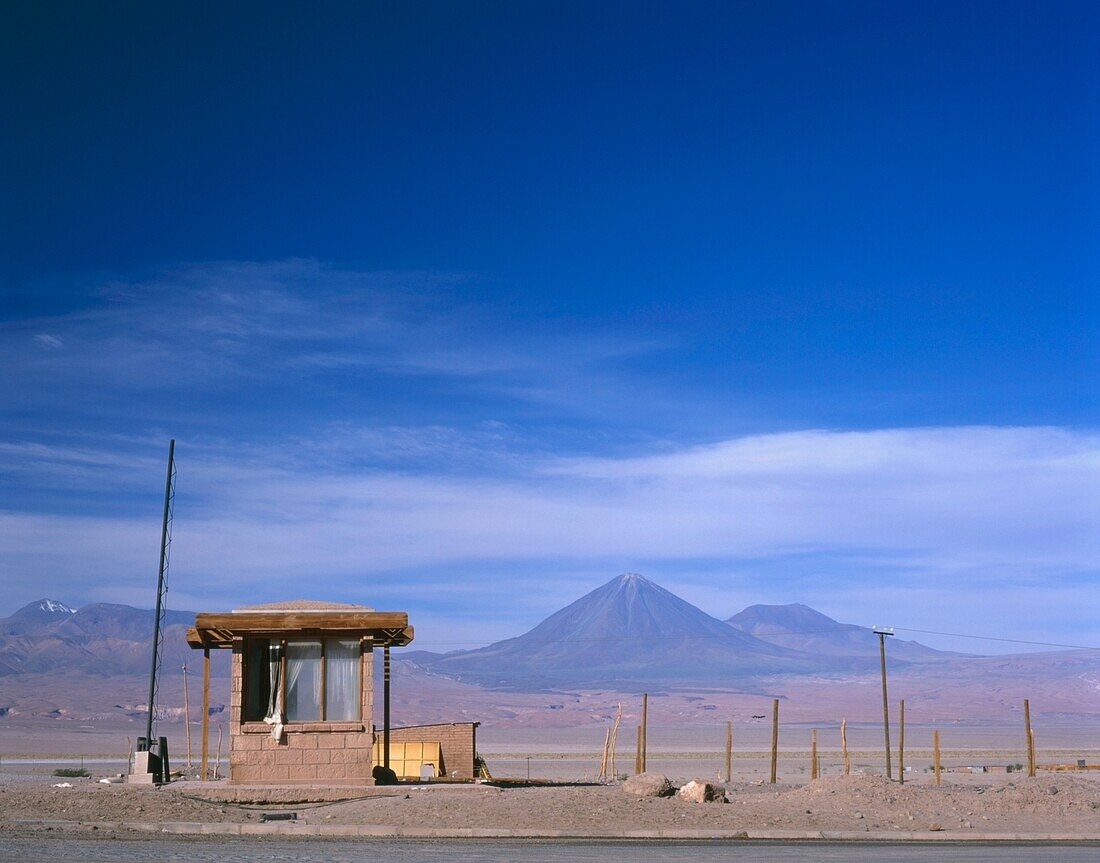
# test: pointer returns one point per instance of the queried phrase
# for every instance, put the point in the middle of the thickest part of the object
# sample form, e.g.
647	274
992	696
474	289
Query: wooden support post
638	751
936	755
775	739
615	738
1030	739
844	746
386	706
645	730
205	711
729	751
813	754
901	742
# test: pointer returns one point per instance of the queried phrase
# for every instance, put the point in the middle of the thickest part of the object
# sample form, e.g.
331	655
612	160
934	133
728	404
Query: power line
995	638
734	632
851	628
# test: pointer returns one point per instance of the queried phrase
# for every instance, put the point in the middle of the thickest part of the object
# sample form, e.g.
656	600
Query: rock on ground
648	785
699	791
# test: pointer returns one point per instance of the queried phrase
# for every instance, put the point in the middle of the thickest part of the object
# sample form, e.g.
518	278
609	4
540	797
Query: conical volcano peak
631	615
627	629
630	582
630	579
628	605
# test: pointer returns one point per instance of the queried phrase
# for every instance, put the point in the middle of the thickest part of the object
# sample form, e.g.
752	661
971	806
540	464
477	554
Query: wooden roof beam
280	621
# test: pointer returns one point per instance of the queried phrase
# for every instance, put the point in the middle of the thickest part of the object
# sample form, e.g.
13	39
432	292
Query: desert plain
563	798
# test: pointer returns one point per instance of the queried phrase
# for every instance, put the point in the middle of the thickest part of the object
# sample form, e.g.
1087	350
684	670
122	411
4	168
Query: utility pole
882	632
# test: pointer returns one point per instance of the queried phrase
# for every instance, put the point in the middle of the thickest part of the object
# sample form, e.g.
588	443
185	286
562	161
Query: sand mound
856	786
1048	795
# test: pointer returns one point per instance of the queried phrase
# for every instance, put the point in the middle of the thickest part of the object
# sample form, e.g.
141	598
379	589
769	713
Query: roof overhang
219	629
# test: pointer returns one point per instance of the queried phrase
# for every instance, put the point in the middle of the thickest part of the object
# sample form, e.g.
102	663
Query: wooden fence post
1030	737
1032	766
813	754
645	731
729	751
638	751
901	744
936	754
602	775
844	746
775	738
615	739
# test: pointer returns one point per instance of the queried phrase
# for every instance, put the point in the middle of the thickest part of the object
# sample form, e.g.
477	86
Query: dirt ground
861	802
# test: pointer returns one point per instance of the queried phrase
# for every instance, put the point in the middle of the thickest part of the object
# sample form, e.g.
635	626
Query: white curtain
303	681
275	695
341	680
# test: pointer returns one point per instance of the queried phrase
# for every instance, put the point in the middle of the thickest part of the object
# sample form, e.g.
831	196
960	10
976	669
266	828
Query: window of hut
341	679
316	672
261	679
303	681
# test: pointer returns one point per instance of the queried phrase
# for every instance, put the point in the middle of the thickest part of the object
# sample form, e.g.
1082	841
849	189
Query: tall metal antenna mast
160	588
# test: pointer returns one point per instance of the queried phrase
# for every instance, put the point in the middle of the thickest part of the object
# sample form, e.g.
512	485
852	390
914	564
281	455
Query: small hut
302	694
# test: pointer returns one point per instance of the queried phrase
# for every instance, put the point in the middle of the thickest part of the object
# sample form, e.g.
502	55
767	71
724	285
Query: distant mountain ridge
34	616
100	639
627	633
800	627
626	636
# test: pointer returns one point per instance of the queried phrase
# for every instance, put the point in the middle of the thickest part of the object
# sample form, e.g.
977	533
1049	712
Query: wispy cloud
48	341
383	437
221	327
917	523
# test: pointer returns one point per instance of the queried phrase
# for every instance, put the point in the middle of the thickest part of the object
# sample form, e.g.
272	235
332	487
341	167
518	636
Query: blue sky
466	308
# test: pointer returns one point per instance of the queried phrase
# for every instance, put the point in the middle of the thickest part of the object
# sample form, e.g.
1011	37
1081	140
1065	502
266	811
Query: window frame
323	638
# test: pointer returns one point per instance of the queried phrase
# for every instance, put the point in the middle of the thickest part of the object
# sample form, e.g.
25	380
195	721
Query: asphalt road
384	851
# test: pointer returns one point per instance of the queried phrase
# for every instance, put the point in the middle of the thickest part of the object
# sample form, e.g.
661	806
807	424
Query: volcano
100	639
35	616
799	627
628	633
